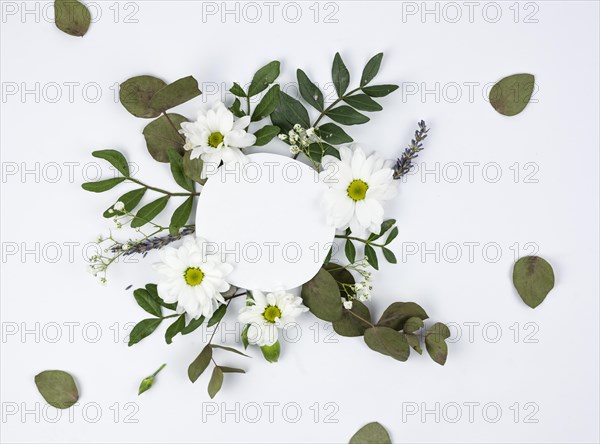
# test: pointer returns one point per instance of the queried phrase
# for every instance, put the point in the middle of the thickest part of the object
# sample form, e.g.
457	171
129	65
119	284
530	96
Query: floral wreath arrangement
193	285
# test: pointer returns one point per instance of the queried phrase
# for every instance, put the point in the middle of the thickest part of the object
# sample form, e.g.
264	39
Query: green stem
248	103
160	190
361	318
364	241
176	315
335	102
159	369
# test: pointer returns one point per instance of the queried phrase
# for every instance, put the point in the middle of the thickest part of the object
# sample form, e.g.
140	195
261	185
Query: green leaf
435	342
317	150
350	251
371	69
176	161
263	78
387	341
392	236
216	382
371	257
265	134
229	349
413	324
346	115
145	300
231	369
533	278
176	93
103	185
149	212
237	90
399	312
218	315
372	433
413	341
58	388
152	289
130	200
200	364
350	325
115	158
236	108
174	328
379	90
267	104
322	296
72	17
161	136
142	329
271	352
181	215
192	168
289	112
136	95
333	134
363	102
389	255
342	276
511	95
340	75
192	326
309	91
148	381
245	336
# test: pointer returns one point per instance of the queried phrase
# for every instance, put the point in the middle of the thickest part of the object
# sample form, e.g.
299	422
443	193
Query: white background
546	359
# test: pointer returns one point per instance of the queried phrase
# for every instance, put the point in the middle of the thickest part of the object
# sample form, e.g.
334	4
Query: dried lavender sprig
405	164
153	243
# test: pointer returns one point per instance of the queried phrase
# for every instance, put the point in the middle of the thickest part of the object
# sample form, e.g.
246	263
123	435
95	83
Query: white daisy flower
358	186
217	136
268	313
192	278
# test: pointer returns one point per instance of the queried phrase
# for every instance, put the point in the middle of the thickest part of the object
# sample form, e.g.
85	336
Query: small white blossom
119	206
347	304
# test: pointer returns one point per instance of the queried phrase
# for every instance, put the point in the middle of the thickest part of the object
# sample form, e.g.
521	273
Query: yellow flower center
215	139
271	313
193	276
357	190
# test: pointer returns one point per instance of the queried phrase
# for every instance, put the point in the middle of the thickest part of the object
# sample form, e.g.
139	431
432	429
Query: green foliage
217	315
399	312
115	158
371	69
162	135
102	185
58	388
149	212
215	383
353	322
322	296
136	95
176	162
435	342
372	433
346	115
309	91
511	95
332	134
387	341
533	278
147	302
289	112
267	104
130	200
271	352
143	329
181	216
174	94
266	134
200	364
72	17
148	381
263	78
340	75
174	328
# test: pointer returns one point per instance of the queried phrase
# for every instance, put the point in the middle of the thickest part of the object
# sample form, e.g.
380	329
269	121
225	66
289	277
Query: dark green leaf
115	158
103	185
435	342
192	168
363	102
372	433
289	112
174	328
387	341
200	364
152	289
309	91
215	383
379	90
145	300
399	312
58	388
136	95
161	136
371	257
413	324
130	200
192	326
333	134
149	212
72	17
229	349
317	150
265	134
237	90
350	251
181	215
271	352
351	325
322	296
392	236
245	336
347	115
142	329
533	278
176	93
389	255
371	69
218	315
231	369
263	78
236	108
413	341
176	161
511	95
342	276
267	104
340	75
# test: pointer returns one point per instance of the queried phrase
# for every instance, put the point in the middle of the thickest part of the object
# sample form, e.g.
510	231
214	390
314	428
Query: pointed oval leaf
363	102
115	158
130	200
379	90
413	324
371	256
181	215
136	95
216	382
176	93
387	341
267	104
533	278
217	315
350	251
372	433
200	364
347	115
192	168
309	91
143	329
161	136
322	296
192	326
333	134
435	342
229	349
149	212
102	185
72	17
58	388
145	300
511	95
371	69
176	162
265	134
350	325
340	75
263	78
174	328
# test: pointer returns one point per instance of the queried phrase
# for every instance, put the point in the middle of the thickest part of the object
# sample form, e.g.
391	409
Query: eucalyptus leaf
350	325
435	342
130	200
343	277
115	158
72	17
266	134
136	95
58	388
372	433
271	352
533	278
267	104
333	134
231	369
176	162
413	324
363	102
229	349
413	341
322	296
346	115
143	329
387	341
161	136
309	91
149	212
340	75
263	78
145	300
174	328
511	95
379	90
200	364
216	382
176	93
181	215
102	185
371	69
192	168
399	312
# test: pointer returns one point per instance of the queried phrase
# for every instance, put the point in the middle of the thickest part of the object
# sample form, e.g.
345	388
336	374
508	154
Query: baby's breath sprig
405	163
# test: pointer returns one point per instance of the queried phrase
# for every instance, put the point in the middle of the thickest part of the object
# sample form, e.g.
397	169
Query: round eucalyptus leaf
399	312
72	17
435	342
387	341
136	95
372	433
533	278
352	323
58	388
322	296
161	136
511	95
